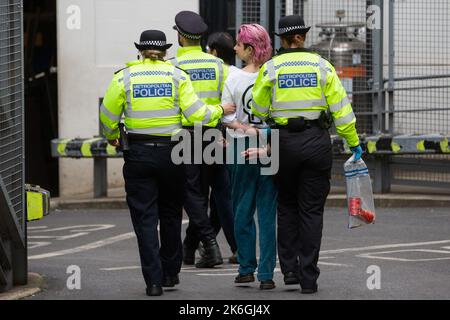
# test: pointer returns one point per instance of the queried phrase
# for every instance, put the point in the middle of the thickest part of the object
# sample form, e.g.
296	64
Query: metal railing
397	73
13	252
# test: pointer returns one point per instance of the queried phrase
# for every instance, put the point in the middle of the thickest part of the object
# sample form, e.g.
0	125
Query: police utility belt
149	140
301	124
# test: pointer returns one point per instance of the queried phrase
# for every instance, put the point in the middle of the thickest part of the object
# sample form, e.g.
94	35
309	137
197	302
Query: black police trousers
303	183
154	188
199	179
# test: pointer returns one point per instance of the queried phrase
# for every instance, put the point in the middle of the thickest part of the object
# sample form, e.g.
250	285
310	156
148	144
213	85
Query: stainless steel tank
340	45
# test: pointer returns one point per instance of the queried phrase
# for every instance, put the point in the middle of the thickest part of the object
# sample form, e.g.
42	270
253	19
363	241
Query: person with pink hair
250	189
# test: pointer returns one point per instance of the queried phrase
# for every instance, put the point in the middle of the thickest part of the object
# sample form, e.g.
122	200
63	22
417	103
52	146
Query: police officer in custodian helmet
153	95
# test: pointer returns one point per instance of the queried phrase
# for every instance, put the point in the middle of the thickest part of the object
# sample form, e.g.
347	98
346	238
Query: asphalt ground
404	255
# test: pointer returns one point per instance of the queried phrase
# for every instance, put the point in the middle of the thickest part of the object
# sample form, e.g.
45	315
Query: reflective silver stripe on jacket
272	78
271	70
193	108
176	84
323	72
127	86
144	114
300	104
311	115
174	62
345	120
259	108
156	130
109	114
338	106
220	66
108	130
208	94
207	117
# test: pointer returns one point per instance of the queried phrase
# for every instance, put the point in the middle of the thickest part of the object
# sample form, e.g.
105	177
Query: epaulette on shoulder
181	69
119	70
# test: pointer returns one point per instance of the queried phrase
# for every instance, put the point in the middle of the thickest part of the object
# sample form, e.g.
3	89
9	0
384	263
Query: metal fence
12	215
393	58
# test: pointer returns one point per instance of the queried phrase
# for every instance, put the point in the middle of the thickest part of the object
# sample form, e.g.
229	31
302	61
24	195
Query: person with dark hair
221	44
208	74
154	95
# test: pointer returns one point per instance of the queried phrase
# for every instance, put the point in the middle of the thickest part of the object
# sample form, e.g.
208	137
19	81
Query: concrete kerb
35	284
334	200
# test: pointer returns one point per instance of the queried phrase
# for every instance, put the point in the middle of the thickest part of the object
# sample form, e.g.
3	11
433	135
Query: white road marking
59	238
334	264
387	246
215	274
447	248
84	228
36	227
120	268
210	270
37	244
89	246
375	255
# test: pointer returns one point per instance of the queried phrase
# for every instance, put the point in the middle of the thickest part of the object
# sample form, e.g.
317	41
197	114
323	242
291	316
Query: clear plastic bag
361	209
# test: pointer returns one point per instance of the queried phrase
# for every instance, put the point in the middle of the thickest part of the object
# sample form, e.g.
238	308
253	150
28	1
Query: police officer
153	95
208	74
296	89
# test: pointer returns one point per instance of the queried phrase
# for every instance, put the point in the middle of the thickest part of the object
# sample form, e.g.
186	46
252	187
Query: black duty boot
212	255
188	255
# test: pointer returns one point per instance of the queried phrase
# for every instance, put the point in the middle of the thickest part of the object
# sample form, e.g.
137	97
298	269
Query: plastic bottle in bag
361	209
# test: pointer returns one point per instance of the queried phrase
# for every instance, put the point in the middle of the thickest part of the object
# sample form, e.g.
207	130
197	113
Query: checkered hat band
153	43
189	36
287	29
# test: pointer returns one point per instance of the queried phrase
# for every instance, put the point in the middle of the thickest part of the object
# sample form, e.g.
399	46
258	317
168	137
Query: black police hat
289	25
190	25
152	39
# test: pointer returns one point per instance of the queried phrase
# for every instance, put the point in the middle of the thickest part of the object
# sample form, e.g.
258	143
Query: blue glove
357	151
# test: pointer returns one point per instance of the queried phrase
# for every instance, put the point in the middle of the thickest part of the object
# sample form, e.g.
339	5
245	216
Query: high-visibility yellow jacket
207	72
298	83
153	95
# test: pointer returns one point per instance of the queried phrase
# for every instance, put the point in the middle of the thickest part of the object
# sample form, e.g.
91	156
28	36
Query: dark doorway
41	101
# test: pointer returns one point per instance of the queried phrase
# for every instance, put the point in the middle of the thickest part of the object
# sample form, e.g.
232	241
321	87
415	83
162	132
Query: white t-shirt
238	90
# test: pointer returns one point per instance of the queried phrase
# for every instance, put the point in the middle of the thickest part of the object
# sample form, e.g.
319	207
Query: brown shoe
244	278
233	259
267	285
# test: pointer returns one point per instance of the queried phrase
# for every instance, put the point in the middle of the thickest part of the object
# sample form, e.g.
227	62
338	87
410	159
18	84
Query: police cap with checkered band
290	25
153	40
190	25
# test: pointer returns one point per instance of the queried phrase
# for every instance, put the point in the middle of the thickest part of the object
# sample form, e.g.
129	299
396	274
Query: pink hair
256	36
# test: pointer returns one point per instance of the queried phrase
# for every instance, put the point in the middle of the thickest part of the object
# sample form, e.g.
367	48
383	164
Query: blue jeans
250	191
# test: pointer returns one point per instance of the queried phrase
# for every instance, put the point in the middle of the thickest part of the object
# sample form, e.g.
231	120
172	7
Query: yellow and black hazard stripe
84	148
381	144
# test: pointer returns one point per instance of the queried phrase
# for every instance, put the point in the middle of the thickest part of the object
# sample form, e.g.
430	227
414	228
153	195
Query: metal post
100	177
100	168
19	252
264	13
277	18
382	172
391	83
377	65
239	4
